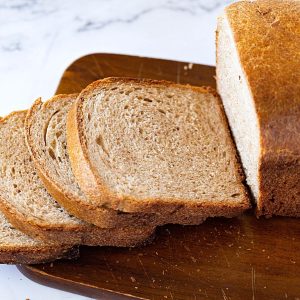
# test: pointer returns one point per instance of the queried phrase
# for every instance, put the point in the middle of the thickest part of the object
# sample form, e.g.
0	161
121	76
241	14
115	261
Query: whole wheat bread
46	138
258	63
156	147
18	248
27	205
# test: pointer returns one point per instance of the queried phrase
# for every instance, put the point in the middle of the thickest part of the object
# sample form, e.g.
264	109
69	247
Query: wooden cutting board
240	258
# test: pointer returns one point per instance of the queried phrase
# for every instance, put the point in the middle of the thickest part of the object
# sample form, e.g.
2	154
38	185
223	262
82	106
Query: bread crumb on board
188	66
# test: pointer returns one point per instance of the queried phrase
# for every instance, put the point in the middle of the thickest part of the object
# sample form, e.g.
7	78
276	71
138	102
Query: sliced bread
258	78
155	147
28	206
46	138
18	248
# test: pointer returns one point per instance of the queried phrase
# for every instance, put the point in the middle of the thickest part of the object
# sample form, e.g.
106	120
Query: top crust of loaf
93	185
266	35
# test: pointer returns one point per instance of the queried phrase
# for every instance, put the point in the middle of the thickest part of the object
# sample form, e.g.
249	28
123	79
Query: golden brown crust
12	114
36	254
266	33
96	190
80	163
280	190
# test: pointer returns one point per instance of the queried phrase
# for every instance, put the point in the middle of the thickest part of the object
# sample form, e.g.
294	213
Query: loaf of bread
155	147
258	78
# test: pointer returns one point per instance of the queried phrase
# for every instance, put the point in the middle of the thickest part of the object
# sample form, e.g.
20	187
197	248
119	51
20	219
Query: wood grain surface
239	258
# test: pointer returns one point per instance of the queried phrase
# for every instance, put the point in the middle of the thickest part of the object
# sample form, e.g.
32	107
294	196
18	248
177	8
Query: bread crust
96	190
86	234
70	234
36	254
272	72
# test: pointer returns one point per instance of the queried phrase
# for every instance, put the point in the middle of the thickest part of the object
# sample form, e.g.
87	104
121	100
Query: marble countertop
40	38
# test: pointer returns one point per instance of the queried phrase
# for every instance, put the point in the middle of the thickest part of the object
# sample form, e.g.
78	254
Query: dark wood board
239	258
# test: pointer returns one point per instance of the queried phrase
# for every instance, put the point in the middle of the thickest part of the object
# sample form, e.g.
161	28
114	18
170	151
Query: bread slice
258	62
46	139
27	205
18	248
155	147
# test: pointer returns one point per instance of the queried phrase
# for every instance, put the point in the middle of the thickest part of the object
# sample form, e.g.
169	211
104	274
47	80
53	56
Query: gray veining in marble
39	38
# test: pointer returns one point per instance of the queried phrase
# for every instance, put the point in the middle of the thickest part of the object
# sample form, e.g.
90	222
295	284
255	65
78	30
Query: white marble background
40	38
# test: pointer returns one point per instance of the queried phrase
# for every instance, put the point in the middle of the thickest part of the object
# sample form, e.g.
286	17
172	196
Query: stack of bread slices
107	166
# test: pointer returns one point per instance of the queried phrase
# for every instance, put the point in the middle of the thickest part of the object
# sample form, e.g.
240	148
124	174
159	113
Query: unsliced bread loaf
46	138
27	205
154	146
258	78
18	248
